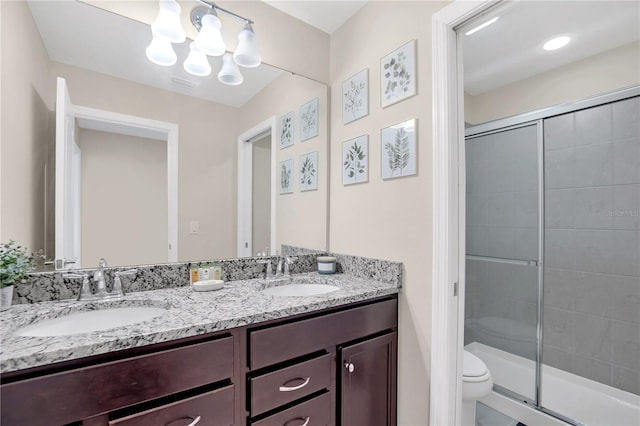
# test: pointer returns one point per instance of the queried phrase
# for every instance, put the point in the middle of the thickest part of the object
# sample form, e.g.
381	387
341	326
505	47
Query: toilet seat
472	366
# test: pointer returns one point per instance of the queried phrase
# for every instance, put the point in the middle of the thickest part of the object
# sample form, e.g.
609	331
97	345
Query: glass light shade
167	25
160	52
197	63
230	73
209	40
247	54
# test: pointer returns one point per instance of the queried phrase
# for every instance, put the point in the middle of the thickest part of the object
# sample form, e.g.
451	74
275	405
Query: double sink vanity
255	352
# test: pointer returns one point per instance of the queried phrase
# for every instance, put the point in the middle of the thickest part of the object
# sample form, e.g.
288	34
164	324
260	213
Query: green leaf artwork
285	178
397	76
354	161
286	130
398	153
307	172
309	120
353	99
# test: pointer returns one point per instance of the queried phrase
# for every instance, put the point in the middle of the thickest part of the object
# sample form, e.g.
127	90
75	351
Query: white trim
245	178
448	212
107	121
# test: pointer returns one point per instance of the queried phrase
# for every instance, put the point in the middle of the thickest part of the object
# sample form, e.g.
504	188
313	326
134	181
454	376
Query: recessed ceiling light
557	43
481	26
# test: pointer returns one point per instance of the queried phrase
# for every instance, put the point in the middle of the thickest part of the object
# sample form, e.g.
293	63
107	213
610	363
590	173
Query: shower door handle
504	260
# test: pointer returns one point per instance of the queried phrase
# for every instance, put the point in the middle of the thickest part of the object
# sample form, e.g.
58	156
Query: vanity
237	356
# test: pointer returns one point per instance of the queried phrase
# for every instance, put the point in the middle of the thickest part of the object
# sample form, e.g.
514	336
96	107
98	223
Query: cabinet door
368	382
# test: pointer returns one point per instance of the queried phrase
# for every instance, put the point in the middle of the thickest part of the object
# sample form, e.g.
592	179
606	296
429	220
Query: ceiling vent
184	83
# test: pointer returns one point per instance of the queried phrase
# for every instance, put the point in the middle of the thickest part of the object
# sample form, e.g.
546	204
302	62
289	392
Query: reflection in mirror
123	202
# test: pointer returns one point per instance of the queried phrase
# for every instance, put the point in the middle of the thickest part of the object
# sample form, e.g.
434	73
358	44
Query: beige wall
301	217
26	100
611	70
284	41
206	153
124	199
261	204
389	219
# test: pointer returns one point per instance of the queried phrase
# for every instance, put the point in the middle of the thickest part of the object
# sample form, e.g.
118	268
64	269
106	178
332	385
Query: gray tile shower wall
592	244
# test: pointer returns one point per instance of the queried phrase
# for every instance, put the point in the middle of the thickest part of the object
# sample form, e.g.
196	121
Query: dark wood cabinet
287	372
364	337
368	382
83	392
214	408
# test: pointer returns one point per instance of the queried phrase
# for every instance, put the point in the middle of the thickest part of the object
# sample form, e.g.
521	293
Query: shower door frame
518	121
499	126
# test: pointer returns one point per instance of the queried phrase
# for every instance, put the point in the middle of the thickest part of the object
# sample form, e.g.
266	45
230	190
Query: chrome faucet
99	278
269	275
288	261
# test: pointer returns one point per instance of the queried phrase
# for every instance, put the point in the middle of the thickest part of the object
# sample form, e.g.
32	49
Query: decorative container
326	265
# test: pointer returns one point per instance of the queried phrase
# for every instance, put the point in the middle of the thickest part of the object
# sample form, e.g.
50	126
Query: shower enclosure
553	257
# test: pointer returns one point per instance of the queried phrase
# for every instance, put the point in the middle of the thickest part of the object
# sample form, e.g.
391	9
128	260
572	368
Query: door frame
112	122
447	288
245	190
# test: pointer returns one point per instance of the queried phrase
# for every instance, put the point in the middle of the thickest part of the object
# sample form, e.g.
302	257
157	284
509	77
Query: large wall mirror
156	159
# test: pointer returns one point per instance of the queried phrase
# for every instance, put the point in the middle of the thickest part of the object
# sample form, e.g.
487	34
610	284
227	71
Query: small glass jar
326	265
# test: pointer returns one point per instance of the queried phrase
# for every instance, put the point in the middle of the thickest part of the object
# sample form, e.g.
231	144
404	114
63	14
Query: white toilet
476	384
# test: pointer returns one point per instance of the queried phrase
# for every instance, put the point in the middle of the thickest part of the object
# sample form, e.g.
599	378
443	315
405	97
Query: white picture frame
286	129
355	160
308	171
398	150
309	116
355	97
398	76
286	176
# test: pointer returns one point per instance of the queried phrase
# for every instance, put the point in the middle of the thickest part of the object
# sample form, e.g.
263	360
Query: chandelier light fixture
167	30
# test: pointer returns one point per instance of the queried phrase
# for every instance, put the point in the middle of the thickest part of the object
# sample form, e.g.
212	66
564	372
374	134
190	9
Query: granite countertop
189	313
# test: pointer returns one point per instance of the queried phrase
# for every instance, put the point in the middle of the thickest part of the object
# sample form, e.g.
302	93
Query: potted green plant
15	263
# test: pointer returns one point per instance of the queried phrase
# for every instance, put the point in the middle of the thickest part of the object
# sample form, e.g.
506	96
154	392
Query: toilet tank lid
472	366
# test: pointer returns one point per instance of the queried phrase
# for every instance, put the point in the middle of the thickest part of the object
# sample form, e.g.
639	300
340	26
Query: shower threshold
583	400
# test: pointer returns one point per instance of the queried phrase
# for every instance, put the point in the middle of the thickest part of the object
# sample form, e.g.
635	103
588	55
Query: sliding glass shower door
503	202
553	300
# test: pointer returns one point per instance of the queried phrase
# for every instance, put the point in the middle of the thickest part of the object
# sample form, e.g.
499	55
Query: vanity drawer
215	408
315	412
274	389
116	384
282	342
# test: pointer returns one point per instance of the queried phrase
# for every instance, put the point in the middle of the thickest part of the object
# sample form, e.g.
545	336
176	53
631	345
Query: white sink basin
86	322
292	290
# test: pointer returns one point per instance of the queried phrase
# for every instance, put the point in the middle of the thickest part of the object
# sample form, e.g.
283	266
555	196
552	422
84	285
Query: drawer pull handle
193	423
306	421
295	388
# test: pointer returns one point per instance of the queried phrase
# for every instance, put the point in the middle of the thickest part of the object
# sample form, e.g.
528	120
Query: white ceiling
326	15
84	36
503	53
510	50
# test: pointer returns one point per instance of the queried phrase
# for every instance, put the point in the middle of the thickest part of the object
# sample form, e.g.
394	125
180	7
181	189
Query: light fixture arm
217	8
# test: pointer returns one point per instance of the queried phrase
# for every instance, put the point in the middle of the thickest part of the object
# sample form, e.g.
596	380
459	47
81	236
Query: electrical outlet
194	228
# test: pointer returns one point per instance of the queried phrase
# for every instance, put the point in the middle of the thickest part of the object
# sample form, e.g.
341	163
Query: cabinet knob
349	366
